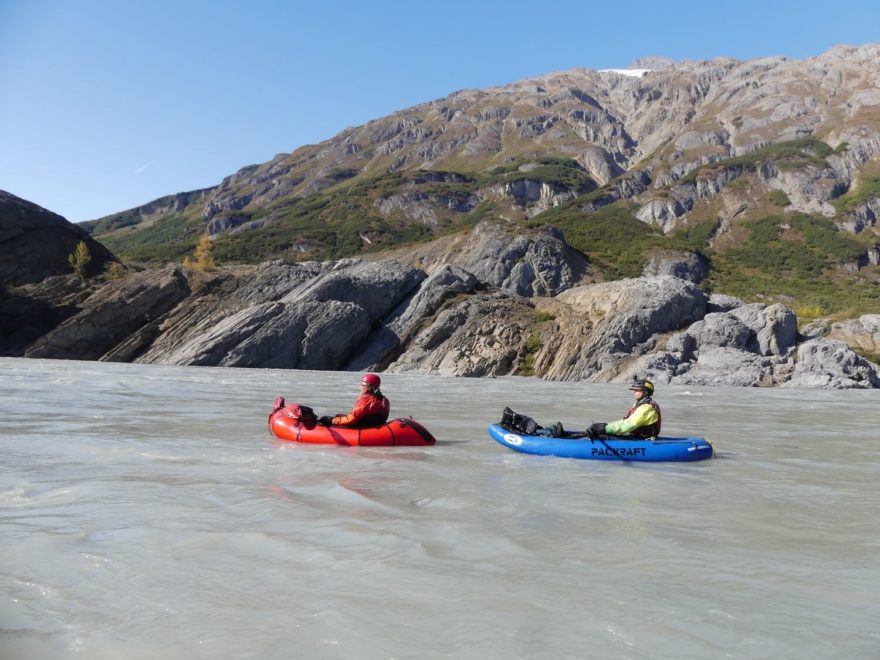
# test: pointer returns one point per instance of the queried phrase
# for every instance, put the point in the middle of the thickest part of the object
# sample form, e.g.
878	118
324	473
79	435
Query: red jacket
369	410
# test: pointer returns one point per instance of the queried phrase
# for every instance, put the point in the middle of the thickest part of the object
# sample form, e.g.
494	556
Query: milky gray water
145	512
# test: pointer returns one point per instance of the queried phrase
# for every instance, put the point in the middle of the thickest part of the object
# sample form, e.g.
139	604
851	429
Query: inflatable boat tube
605	449
289	423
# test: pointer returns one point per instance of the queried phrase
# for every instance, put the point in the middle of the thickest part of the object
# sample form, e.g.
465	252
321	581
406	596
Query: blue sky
106	105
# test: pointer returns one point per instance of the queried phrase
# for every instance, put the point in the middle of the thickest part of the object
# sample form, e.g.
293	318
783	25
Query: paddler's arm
354	416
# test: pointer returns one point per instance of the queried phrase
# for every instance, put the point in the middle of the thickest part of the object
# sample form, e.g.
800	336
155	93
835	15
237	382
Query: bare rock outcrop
684	265
214	298
531	196
35	243
862	333
719	302
310	335
862	217
831	365
715	365
482	335
756	328
525	262
306	316
31	311
600	327
112	313
749	345
538	265
397	331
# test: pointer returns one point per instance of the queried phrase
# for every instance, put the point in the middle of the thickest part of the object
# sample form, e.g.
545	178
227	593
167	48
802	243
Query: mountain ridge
605	122
704	223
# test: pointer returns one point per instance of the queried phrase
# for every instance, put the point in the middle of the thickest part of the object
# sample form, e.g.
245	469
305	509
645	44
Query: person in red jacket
371	408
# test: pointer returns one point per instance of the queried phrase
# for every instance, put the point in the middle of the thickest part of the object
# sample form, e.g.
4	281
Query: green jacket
637	417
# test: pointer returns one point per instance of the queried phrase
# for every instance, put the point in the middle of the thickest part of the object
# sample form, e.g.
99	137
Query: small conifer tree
79	260
204	257
205	253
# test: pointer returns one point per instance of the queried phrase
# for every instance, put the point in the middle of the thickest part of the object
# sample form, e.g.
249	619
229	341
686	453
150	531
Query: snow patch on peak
634	73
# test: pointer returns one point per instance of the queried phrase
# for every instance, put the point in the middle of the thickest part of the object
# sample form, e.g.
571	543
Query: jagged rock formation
748	345
482	335
831	364
112	313
476	319
291	316
503	255
400	327
600	326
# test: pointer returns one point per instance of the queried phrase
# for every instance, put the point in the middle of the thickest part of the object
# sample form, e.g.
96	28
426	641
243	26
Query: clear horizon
109	106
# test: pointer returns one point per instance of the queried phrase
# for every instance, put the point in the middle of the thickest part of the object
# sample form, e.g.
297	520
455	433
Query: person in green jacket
642	421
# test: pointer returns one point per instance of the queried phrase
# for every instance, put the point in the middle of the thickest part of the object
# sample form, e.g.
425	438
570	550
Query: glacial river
146	513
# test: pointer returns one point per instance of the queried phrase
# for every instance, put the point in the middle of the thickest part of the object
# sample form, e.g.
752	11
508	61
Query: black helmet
645	385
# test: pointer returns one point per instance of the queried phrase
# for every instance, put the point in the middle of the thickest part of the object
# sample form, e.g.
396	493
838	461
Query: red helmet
371	380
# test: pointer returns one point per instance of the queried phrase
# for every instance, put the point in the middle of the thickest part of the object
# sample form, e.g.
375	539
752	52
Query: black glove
596	430
325	420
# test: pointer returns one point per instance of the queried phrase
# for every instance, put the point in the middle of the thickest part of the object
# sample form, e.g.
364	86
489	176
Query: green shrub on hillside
169	239
79	260
794	256
693	237
342	173
541	317
562	173
868	189
532	346
807	313
480	212
559	171
779	198
112	223
612	237
821	245
791	154
847	299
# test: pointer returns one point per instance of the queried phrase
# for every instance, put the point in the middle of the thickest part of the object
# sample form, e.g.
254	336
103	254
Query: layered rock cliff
498	302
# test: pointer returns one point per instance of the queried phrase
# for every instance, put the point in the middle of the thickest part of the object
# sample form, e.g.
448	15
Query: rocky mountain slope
580	225
731	159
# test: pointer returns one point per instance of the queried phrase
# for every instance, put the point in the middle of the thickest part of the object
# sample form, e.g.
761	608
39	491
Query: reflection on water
146	512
